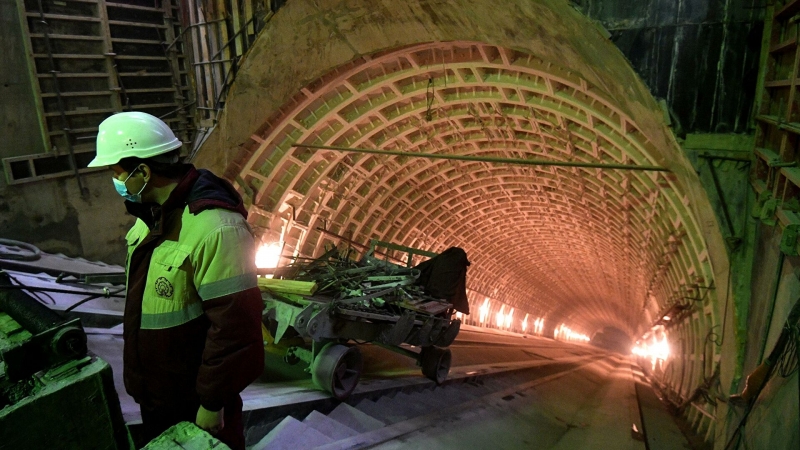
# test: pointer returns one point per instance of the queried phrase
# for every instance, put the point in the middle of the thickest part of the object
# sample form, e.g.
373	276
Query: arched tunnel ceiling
585	246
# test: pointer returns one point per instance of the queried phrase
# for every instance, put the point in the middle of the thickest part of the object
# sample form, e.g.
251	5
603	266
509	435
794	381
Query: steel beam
486	159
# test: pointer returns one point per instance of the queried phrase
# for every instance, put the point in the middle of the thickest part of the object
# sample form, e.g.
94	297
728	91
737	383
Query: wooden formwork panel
775	174
89	59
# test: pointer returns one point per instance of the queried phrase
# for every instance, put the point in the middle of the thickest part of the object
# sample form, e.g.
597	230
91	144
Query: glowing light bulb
500	318
509	318
268	255
484	310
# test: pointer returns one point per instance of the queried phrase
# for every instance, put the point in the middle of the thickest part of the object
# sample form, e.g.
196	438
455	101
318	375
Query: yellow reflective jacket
193	310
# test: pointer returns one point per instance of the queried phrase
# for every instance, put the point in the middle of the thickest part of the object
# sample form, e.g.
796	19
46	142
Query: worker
192	323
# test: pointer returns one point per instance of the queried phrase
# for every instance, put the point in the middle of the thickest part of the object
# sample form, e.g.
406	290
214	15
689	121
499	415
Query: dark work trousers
156	420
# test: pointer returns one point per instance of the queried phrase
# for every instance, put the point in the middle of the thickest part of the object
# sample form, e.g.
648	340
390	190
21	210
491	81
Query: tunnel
591	247
581	247
526	134
578	246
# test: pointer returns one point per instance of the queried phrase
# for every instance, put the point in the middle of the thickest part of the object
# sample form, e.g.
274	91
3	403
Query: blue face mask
122	189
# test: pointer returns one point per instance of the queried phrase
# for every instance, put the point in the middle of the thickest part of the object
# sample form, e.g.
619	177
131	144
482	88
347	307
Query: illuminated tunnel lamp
654	346
509	318
268	255
484	310
495	314
566	333
500	317
539	326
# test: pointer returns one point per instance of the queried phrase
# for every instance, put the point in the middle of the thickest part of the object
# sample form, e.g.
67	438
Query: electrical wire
23	287
738	435
36	296
57	291
787	363
429	96
33	256
35	291
705	346
105	294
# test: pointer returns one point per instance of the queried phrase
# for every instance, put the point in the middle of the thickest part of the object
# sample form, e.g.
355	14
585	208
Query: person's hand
211	421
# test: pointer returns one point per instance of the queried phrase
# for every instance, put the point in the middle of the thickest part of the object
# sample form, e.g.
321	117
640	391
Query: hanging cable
787	363
708	339
106	294
22	286
429	96
57	291
34	254
783	357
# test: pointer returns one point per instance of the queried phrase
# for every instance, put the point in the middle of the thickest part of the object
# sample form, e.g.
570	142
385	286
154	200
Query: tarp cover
445	276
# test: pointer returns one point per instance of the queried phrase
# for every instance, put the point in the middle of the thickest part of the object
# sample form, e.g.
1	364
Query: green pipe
488	159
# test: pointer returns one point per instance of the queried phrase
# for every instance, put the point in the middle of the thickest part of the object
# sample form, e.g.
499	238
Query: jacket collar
211	192
153	214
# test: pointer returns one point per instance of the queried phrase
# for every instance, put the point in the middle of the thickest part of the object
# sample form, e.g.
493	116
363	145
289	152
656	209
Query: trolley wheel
449	335
435	363
336	369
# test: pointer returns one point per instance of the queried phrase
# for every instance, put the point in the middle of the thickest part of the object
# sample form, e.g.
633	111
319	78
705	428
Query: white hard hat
132	135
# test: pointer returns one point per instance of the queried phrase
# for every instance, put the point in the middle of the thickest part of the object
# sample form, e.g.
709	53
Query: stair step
355	419
410	404
329	427
453	396
382	413
291	434
393	411
428	399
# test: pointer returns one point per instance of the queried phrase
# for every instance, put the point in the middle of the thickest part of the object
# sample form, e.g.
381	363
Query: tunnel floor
591	407
534	393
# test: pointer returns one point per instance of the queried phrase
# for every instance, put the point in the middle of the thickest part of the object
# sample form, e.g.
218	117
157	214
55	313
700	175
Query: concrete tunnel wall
315	53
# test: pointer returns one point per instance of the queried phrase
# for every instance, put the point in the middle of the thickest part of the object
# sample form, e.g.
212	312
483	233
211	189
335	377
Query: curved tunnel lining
350	123
285	180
